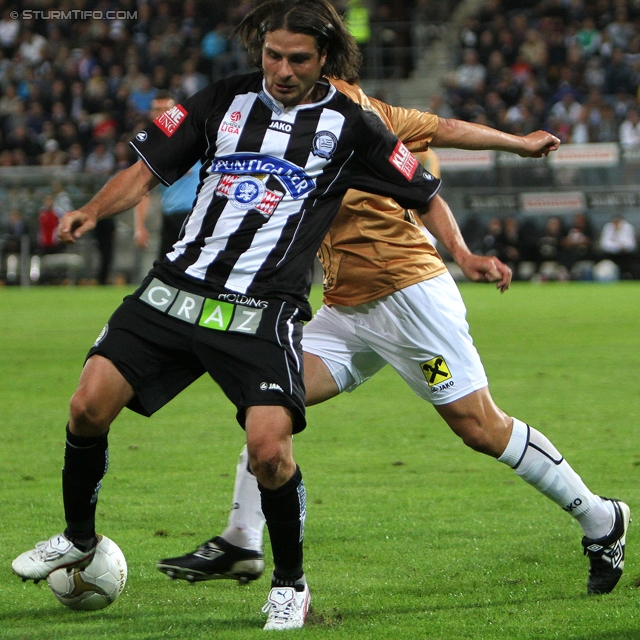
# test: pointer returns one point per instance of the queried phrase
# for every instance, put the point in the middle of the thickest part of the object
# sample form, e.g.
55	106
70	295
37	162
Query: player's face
292	65
159	106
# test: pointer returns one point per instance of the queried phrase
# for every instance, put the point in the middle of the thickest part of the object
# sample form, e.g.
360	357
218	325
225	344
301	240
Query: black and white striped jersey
271	182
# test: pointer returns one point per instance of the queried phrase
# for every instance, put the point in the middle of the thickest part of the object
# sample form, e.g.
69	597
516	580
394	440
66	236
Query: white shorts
421	331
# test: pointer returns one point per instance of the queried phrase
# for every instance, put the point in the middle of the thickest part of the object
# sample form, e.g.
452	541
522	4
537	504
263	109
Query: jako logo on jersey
142	136
270	386
436	371
278	125
403	161
169	121
295	180
324	144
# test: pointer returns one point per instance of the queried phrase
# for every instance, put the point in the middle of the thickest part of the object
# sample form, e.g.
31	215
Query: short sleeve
415	128
383	165
176	139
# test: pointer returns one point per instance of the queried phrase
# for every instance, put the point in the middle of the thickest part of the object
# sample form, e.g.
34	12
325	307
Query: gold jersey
374	246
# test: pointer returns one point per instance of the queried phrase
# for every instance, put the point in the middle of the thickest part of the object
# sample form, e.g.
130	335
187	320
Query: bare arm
440	222
468	135
122	192
140	212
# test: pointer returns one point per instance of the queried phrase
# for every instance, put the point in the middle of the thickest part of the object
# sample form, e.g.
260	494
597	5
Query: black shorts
162	339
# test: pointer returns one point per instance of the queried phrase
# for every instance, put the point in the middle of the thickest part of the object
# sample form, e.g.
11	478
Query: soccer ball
97	585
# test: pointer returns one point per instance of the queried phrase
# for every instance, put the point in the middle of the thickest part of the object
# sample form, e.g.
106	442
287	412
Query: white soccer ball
97	585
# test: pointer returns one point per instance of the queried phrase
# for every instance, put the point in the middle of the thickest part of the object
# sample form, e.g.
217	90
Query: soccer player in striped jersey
279	149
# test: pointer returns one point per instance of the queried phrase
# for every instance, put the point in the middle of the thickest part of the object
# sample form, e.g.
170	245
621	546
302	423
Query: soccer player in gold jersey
388	298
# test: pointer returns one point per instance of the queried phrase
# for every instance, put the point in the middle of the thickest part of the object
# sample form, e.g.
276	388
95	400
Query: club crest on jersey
324	144
294	179
170	120
403	161
248	192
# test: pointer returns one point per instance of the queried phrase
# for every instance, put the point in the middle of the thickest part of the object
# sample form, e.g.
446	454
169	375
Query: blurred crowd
73	92
558	248
571	67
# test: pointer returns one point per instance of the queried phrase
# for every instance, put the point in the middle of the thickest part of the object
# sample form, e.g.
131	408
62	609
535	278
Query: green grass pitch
409	534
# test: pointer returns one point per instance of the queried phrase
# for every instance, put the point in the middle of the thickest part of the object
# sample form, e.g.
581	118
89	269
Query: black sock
284	510
86	461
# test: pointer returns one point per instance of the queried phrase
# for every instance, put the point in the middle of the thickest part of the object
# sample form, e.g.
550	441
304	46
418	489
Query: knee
86	418
265	458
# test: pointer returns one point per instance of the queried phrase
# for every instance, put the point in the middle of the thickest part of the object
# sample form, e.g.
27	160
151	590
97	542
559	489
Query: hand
538	144
486	269
141	237
74	225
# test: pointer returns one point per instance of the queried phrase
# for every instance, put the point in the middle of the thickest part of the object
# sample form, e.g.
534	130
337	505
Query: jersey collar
278	108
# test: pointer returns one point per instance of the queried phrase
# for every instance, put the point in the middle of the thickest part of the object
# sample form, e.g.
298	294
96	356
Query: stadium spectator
511	250
142	97
61	200
550	241
493	239
11	233
618	243
533	50
617	75
620	30
470	75
100	162
192	80
629	134
588	38
32	47
214	44
76	158
9	33
53	155
48	229
577	244
24	145
580	133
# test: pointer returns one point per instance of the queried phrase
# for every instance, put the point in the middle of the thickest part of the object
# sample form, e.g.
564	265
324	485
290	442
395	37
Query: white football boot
56	553
287	608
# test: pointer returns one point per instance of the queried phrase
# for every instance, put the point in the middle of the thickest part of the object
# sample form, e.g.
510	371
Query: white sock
246	521
530	454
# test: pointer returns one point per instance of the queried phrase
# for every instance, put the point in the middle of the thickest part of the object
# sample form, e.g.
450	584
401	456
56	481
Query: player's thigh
320	385
152	351
423	333
331	336
101	394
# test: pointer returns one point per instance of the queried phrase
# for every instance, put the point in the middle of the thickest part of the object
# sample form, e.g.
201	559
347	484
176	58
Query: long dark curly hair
316	18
